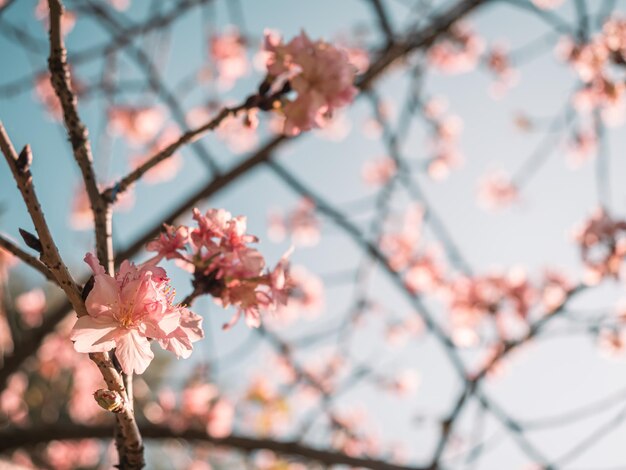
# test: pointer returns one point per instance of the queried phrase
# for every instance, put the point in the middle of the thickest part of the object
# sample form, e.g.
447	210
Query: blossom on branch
128	310
320	73
217	251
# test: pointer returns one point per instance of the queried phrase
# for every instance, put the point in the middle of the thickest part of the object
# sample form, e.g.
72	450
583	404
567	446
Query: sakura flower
320	74
229	53
378	172
138	124
301	223
217	251
496	191
602	241
126	311
31	305
457	53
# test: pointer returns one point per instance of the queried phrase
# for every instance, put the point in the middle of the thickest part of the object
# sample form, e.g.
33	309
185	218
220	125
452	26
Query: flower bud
109	400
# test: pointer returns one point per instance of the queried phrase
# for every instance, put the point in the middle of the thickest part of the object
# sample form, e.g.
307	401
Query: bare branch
26	258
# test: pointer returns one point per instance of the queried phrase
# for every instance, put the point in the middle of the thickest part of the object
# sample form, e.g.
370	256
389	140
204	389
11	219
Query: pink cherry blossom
301	224
228	51
128	310
137	124
602	241
378	172
31	305
320	74
497	191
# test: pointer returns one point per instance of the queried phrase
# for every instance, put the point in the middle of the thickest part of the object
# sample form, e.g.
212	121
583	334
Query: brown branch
17	438
30	260
78	134
20	167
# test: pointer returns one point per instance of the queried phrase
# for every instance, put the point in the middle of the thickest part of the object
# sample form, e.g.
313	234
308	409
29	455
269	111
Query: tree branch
17	438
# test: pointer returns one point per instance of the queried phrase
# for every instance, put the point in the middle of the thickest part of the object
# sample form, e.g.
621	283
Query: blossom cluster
595	62
320	73
224	264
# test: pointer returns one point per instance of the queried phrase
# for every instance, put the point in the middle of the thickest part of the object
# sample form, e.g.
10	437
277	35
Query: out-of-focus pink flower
378	172
220	418
68	455
497	191
320	74
166	169
306	295
137	124
12	402
602	241
31	305
547	4
239	133
472	300
555	288
301	224
405	383
424	273
228	51
399	247
582	147
458	52
125	311
81	216
500	66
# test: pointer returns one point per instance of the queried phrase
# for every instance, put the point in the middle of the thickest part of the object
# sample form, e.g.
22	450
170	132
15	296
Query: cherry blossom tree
381	234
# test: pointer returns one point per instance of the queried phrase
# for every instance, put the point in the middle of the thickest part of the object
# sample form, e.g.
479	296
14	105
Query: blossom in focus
217	251
126	311
320	74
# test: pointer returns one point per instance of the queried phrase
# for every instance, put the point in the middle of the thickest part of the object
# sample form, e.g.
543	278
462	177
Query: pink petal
133	352
90	330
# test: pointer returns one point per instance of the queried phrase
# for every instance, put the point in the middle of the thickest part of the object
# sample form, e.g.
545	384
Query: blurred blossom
602	241
318	72
379	171
228	51
301	224
31	305
547	4
239	132
137	124
497	191
165	170
582	147
458	52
